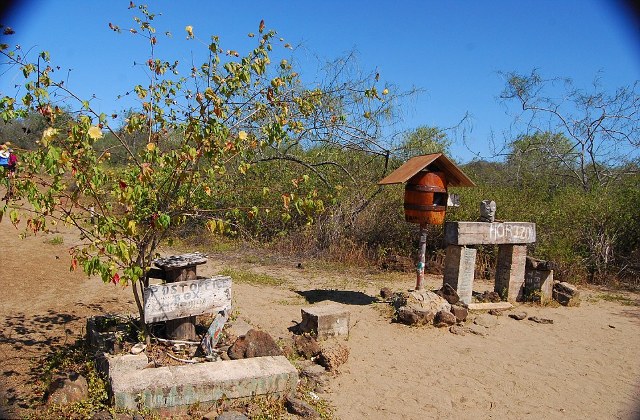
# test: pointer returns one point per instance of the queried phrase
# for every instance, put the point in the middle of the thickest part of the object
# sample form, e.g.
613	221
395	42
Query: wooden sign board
187	298
485	233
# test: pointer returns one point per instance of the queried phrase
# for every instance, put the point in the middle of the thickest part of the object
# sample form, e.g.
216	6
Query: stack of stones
421	307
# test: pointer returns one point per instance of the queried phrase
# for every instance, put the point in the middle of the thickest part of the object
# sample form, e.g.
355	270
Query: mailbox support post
422	250
181	268
181	328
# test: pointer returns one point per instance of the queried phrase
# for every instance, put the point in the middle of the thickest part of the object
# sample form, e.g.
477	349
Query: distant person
8	160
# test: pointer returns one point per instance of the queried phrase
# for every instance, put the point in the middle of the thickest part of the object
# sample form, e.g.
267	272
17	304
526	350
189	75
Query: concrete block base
325	321
171	388
538	285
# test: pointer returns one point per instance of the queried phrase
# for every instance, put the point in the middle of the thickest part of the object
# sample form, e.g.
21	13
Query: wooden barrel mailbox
425	198
427	178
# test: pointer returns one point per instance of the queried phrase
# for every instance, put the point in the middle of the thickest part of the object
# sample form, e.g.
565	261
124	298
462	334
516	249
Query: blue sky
453	50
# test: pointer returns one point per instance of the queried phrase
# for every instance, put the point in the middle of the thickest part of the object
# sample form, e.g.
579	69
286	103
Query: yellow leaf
151	147
95	132
189	30
131	227
242	135
385	92
48	134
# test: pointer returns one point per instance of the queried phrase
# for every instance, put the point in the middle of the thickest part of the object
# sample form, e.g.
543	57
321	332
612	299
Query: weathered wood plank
180	261
483	233
186	298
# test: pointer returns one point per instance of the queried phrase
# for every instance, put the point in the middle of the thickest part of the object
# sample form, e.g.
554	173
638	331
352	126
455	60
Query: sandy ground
586	365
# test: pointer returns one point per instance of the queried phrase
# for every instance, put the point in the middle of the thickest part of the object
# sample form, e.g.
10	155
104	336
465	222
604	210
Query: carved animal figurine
487	211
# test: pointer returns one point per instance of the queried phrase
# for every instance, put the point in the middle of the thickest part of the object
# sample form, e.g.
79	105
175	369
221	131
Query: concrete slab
181	386
485	306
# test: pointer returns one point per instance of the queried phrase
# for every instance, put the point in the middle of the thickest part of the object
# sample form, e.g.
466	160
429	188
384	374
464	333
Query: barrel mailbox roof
436	162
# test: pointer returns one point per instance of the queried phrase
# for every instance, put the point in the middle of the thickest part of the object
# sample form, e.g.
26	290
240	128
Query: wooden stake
422	250
181	328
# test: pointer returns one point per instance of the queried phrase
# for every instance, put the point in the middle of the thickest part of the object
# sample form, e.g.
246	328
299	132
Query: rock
486	320
287	346
224	355
102	415
230	415
541	320
449	293
567	288
542	265
211	415
460	312
254	344
300	408
566	294
420	306
306	346
457	329
313	371
399	299
414	316
495	312
138	348
316	377
444	319
332	356
518	315
427	300
386	293
488	296
475	329
67	388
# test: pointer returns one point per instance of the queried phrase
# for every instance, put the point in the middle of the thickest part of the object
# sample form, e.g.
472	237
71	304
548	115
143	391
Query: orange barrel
425	198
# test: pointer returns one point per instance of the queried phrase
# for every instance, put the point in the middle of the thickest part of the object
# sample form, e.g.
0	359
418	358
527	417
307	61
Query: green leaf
164	220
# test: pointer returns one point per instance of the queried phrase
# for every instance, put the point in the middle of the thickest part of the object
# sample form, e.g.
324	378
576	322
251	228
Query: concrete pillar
459	267
510	269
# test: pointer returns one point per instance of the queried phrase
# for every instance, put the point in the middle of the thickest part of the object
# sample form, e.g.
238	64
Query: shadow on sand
347	297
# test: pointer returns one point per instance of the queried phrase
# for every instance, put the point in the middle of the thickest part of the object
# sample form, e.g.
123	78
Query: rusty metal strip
432	207
424	188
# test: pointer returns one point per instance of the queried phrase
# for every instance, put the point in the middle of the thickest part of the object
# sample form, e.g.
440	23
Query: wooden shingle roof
436	162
